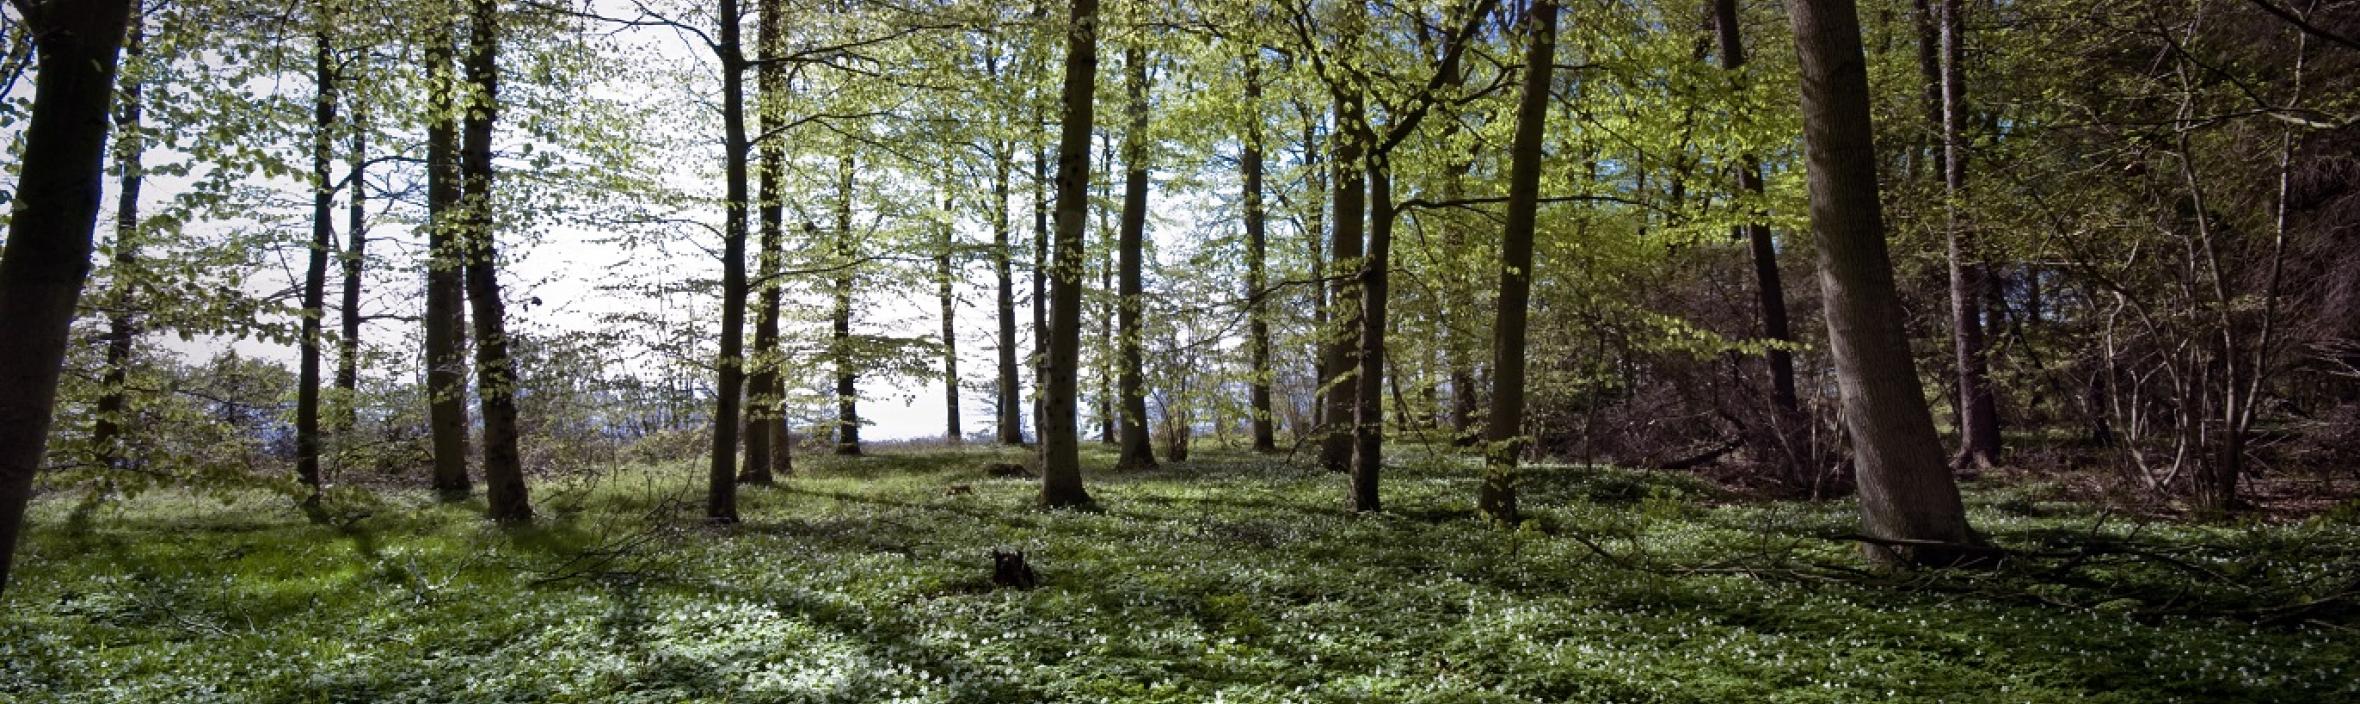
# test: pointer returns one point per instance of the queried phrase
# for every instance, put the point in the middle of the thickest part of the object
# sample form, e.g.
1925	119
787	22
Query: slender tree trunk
446	318
1108	355
1257	256
768	455
122	326
1906	492
356	245
1769	288
1504	435
1138	450
1929	61
47	257
1979	439
1061	461
1314	236
1368	419
1011	403
315	272
1040	292
728	389
495	377
847	380
944	274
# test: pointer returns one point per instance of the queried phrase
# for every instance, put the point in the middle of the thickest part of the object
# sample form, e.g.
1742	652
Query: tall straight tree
446	316
122	325
1769	287
945	273
847	380
1504	437
315	270
1906	491
356	247
1061	457
495	375
1010	398
1339	395
1130	384
1978	411
1257	258
730	365
768	454
47	258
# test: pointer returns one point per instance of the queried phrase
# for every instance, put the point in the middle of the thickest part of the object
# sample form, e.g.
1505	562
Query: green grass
1228	579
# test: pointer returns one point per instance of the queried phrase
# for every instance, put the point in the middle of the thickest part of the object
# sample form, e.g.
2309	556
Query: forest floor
1231	578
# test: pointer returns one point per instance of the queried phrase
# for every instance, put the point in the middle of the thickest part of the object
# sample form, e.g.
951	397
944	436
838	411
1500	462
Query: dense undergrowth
1231	579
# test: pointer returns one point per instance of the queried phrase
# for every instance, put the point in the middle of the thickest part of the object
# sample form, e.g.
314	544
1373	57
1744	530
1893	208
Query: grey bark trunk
495	377
446	318
730	364
1061	462
1496	496
1138	452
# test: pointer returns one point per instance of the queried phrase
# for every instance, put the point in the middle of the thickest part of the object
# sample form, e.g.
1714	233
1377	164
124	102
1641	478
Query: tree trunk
1504	435
1368	413
356	244
1906	492
1138	452
1011	403
1040	290
945	273
495	377
122	326
767	453
446	318
1061	461
1979	441
1351	193
315	271
1257	256
847	381
47	256
1769	286
728	388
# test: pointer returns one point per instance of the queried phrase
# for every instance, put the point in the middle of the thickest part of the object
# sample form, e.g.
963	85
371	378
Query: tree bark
1368	413
730	364
356	244
446	318
495	377
1040	290
847	380
944	274
1769	286
1061	461
47	256
315	271
767	453
122	325
1138	450
1504	436
1344	251
1257	256
1906	492
1979	439
1011	403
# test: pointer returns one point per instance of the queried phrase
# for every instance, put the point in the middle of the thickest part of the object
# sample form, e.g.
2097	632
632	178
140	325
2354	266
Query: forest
1180	351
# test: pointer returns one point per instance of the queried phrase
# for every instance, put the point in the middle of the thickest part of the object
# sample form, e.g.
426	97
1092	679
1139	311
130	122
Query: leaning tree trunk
446	318
1504	436
1138	452
1979	441
122	326
847	381
1769	288
495	376
768	454
1061	461
315	271
1906	491
730	364
1257	256
47	257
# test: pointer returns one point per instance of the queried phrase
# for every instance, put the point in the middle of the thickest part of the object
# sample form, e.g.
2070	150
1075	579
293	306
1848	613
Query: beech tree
1061	462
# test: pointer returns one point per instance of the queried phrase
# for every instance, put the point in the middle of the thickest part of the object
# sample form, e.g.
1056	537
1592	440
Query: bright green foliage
1227	579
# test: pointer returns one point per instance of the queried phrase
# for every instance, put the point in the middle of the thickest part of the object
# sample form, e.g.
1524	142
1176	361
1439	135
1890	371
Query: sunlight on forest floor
1231	578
